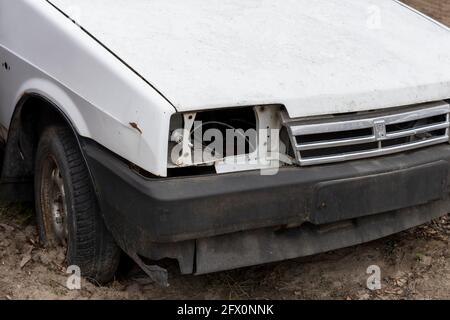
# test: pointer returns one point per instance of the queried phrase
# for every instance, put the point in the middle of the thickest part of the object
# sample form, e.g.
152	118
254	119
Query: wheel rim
54	203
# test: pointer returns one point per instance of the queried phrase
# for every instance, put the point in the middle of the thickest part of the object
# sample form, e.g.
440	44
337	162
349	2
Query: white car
100	102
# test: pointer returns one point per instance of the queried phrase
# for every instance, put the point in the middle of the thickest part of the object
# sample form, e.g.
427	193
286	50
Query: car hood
314	57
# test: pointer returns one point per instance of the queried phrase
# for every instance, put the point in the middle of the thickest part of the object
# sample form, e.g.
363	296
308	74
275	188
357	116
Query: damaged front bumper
217	222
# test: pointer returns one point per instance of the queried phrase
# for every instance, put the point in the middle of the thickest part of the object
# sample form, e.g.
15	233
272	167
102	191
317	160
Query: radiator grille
368	135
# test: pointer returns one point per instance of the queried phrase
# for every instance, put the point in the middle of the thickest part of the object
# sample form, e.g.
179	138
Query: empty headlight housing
224	140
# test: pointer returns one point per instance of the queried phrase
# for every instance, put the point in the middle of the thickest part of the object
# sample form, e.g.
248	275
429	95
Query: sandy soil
414	265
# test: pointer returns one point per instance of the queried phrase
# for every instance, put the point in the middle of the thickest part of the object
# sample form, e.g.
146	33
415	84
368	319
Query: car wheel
67	209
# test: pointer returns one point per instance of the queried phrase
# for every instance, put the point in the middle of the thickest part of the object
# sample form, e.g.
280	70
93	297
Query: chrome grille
368	135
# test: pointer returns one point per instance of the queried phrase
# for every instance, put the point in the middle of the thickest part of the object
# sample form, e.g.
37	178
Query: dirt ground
414	265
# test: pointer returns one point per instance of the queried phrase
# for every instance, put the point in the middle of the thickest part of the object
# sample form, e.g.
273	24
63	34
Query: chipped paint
134	125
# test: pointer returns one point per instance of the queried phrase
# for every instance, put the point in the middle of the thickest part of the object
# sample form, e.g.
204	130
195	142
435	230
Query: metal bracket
186	156
155	273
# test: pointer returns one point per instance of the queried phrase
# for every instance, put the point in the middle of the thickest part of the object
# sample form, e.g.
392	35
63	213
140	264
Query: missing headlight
203	138
227	140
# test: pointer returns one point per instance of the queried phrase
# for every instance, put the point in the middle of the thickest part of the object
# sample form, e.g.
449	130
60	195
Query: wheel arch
32	114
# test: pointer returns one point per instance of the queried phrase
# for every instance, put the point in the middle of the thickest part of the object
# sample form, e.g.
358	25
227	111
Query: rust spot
135	126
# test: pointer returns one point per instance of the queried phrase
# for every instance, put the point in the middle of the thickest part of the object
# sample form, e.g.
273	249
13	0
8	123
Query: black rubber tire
89	244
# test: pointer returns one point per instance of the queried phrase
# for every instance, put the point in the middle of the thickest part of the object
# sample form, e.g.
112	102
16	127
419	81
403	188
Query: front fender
102	97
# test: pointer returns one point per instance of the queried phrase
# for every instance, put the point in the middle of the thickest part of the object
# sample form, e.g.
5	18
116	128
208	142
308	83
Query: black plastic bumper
166	217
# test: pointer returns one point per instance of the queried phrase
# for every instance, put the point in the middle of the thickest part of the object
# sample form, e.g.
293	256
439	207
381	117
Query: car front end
337	181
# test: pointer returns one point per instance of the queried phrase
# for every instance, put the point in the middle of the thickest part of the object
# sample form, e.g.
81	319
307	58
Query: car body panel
119	80
50	56
330	56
